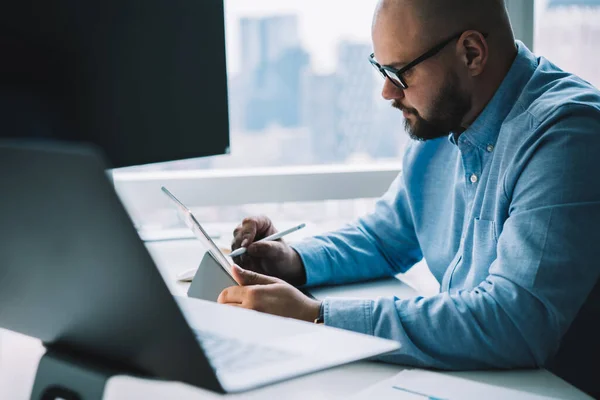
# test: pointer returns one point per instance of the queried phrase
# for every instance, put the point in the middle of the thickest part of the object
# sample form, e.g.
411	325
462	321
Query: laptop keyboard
226	354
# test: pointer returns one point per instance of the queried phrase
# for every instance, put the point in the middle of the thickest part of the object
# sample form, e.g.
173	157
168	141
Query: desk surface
19	355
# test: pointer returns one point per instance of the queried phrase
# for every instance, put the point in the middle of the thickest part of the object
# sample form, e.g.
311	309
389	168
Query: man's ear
474	51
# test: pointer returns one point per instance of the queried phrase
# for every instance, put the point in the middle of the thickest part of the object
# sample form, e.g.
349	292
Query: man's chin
416	131
412	129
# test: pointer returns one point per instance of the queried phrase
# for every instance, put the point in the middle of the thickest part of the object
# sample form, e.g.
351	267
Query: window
301	90
568	34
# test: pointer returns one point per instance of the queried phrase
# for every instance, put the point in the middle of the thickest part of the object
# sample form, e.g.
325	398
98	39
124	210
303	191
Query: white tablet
209	278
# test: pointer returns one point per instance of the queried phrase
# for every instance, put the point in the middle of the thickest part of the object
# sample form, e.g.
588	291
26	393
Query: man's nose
391	91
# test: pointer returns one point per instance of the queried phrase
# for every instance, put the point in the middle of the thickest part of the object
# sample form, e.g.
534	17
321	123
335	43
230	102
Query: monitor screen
144	80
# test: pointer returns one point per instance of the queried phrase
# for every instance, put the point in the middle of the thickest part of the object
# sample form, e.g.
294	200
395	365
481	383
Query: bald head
444	17
445	91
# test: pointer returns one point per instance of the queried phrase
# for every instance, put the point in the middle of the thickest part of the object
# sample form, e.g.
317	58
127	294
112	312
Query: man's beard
448	111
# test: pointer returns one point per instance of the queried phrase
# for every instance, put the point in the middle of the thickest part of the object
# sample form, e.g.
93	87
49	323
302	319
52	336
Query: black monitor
145	80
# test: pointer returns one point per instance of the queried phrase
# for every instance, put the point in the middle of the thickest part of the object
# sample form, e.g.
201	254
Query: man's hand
273	258
269	295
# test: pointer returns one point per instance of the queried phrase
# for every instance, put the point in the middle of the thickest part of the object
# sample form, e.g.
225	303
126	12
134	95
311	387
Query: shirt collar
486	127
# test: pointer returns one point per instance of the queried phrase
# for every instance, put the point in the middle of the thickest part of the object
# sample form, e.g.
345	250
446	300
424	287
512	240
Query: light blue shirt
507	218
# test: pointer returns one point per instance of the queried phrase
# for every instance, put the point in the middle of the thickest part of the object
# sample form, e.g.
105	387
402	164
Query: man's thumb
249	278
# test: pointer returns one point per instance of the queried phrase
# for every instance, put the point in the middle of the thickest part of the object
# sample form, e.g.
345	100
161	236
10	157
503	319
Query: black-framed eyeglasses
395	74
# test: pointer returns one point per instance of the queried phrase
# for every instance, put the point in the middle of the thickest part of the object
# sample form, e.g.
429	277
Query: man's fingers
250	230
264	227
237	236
250	278
248	233
232	295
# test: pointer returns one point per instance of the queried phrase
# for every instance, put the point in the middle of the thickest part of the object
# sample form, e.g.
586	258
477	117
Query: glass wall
301	90
568	34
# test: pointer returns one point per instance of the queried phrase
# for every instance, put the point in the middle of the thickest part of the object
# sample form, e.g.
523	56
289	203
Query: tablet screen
188	218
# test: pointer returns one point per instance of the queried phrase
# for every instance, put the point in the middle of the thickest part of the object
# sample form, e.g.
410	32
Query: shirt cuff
350	314
315	261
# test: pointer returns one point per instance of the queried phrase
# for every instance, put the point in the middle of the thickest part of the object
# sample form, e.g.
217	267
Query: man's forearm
348	255
478	329
382	243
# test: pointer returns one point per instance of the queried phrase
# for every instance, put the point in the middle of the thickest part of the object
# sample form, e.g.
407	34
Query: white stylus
275	236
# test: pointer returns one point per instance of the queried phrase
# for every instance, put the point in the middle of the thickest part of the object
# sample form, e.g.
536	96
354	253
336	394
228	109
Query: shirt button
474	178
490	148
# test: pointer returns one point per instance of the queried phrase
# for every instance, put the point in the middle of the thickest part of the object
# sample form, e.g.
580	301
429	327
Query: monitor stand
62	376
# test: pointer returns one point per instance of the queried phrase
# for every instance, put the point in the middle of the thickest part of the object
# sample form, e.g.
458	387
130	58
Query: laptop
75	274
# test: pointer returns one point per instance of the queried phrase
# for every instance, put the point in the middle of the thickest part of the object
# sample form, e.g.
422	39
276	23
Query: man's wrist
312	311
321	317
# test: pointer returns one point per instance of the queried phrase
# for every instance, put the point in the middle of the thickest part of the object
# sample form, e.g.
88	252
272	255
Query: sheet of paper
420	385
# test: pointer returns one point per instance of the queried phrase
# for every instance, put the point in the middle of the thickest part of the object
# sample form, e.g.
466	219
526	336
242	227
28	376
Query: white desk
19	357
